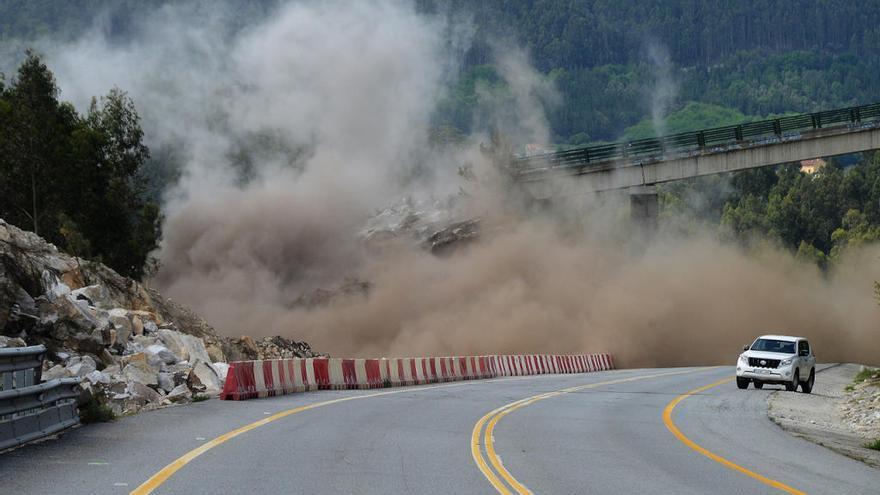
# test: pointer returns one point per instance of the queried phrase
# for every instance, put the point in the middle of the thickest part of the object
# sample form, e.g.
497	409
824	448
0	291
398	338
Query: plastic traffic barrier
272	377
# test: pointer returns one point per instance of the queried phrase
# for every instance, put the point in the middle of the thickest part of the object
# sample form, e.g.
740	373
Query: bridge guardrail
697	140
30	410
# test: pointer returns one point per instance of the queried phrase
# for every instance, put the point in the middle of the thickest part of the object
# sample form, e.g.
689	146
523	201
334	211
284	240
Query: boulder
113	369
166	381
132	358
57	371
453	236
215	352
122	325
94	295
137	325
136	389
158	355
53	287
150	328
222	369
185	347
81	366
140	372
203	376
180	393
145	340
86	343
96	377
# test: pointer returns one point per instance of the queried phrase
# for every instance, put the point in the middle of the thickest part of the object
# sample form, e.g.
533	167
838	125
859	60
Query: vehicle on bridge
777	359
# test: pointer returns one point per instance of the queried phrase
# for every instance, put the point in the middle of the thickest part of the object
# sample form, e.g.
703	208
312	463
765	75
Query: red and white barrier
252	379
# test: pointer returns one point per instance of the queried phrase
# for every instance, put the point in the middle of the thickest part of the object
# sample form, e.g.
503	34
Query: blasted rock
11	342
81	365
158	355
185	347
57	371
203	376
140	372
180	393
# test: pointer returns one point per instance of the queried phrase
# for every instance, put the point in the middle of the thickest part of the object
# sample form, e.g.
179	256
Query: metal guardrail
30	410
688	142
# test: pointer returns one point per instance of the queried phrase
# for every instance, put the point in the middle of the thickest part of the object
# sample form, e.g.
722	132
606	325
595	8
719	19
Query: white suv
778	359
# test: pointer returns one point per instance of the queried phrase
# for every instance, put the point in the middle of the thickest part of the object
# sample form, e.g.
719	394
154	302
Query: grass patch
849	388
200	398
875	445
93	412
867	374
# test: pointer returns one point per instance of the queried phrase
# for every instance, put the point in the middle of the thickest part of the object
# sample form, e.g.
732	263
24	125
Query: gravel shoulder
832	416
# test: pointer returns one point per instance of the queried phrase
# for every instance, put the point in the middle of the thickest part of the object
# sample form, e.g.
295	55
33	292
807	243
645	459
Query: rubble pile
860	407
133	349
271	348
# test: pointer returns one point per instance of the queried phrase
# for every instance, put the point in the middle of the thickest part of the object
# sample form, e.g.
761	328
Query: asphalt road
606	434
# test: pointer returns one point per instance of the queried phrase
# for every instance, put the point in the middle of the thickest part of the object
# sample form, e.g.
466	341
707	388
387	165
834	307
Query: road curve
591	433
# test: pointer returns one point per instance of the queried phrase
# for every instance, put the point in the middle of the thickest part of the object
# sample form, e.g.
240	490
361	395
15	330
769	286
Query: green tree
34	146
855	231
76	180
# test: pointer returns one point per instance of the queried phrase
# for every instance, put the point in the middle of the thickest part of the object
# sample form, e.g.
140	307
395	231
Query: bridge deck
749	145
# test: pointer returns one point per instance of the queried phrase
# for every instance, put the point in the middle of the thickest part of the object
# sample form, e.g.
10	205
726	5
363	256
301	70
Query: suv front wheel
795	380
742	383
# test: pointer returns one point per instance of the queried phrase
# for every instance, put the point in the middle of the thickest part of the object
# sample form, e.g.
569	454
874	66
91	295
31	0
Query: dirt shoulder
833	416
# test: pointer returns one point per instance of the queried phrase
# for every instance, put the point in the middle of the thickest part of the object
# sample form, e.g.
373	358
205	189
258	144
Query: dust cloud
293	130
526	289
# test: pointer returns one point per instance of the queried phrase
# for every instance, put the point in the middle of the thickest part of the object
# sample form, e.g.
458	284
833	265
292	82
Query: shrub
94	412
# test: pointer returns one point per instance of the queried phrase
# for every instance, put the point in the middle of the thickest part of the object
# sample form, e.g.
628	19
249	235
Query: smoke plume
664	90
295	128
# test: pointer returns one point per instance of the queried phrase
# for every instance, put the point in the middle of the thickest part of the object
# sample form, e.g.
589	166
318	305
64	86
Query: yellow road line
494	416
478	457
667	420
162	476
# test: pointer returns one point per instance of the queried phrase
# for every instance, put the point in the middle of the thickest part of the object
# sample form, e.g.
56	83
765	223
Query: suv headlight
743	359
786	362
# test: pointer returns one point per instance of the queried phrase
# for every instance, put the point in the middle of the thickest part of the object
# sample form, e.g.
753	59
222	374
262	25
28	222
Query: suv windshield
768	345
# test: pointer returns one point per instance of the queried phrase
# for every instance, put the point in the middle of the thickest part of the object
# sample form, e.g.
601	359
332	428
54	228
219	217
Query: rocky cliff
133	348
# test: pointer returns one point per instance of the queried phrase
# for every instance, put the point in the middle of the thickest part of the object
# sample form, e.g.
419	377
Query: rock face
132	348
438	226
453	236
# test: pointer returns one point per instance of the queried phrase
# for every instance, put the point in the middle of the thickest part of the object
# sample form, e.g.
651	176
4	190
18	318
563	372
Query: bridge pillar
644	207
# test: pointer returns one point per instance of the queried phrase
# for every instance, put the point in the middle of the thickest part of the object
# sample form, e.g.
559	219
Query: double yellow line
506	484
497	474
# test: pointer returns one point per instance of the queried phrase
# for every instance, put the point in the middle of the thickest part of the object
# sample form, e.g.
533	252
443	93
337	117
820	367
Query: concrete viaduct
637	166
